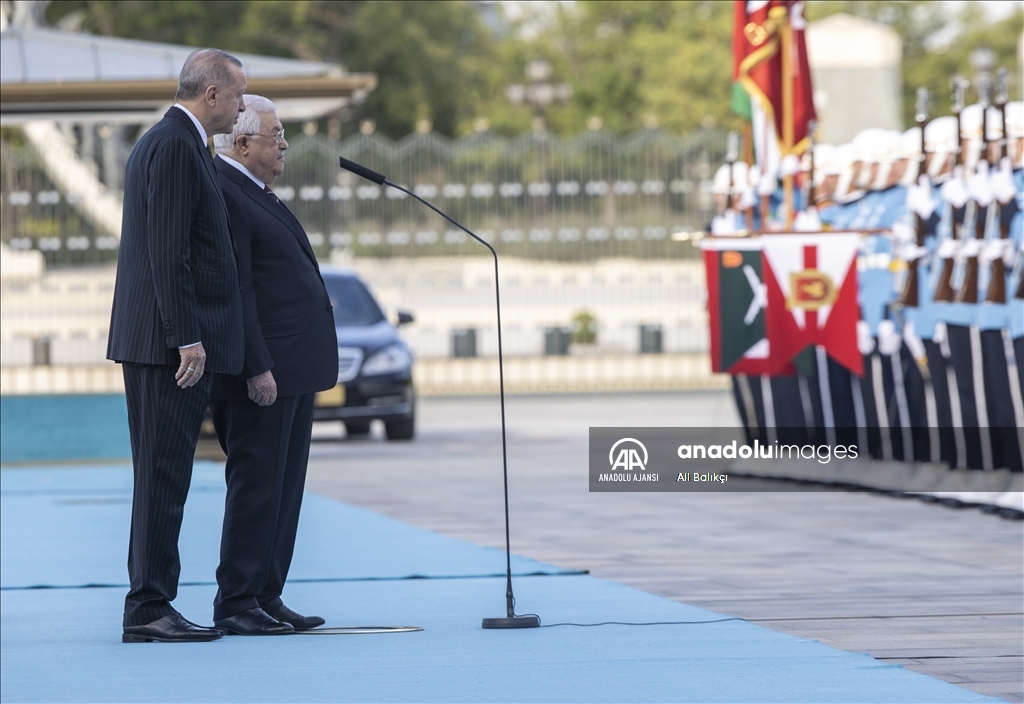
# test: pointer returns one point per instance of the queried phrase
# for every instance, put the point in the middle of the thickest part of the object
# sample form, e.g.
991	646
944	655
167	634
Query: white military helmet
720	184
993	124
861	151
887	148
910	143
844	157
1015	129
940	140
910	149
971	133
824	162
1015	119
740	175
754	175
865	143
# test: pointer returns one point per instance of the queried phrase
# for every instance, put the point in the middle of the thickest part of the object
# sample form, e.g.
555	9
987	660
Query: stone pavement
935	589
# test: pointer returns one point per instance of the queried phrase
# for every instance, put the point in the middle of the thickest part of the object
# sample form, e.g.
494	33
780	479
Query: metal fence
536	196
36	215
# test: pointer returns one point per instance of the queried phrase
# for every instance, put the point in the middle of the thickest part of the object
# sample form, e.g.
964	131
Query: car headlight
390	359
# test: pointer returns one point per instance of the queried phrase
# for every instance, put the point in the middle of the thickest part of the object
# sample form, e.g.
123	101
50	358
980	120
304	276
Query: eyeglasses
278	136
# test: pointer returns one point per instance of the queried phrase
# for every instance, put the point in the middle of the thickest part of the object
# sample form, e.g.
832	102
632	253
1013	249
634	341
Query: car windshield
353	303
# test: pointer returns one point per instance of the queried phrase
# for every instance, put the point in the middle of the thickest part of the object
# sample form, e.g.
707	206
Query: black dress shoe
253	622
298	621
172	628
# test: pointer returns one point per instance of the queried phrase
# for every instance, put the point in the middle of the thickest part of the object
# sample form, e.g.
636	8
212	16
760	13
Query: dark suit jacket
289	324
177	281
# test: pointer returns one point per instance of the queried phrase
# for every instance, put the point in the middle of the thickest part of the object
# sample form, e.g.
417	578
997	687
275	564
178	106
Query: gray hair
249	122
204	68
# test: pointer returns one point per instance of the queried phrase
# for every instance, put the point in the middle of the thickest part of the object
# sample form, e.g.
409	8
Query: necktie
271	194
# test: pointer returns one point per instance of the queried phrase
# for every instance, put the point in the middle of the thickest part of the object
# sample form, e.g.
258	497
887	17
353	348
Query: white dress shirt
241	167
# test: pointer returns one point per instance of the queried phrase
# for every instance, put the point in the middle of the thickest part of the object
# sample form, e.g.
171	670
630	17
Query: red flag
812	295
758	27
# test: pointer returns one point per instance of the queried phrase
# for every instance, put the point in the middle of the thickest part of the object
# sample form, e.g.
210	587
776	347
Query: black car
374	364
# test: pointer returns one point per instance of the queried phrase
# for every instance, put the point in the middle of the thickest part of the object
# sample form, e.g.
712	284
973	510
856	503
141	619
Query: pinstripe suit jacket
177	281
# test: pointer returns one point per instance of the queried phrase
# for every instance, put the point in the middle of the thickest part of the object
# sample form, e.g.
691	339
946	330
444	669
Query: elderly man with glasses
264	416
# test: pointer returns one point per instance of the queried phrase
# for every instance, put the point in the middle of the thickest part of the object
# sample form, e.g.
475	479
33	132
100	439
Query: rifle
909	297
1019	295
997	283
944	287
968	292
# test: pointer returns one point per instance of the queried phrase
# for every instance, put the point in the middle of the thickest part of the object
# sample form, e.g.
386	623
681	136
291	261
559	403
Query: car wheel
403	429
356	428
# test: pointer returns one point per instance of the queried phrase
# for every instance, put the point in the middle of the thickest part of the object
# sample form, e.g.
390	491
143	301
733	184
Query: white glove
1003	187
747	198
902	232
971	248
807	221
910	252
997	249
949	248
790	165
979	185
919	198
723	224
954	191
767	185
889	340
865	343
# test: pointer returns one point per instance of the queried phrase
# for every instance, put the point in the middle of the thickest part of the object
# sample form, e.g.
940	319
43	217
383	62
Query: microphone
368	174
510	620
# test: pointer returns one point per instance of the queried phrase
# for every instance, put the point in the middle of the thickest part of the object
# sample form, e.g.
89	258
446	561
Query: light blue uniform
924	315
952	313
879	210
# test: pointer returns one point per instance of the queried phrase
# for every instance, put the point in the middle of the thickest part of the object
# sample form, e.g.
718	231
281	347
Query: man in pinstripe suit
177	314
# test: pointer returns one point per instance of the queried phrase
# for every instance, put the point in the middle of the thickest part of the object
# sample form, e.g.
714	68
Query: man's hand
193	362
262	389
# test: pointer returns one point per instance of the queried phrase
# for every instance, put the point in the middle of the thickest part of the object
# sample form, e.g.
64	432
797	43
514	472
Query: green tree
640	62
432	58
918	22
630	63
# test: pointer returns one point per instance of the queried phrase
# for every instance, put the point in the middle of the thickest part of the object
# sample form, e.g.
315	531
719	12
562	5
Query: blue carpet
67	526
64	427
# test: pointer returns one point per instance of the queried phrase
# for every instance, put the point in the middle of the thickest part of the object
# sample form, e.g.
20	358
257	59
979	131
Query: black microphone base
530	621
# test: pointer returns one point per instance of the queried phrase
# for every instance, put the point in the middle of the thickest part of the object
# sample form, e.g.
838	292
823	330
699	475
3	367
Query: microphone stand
510	620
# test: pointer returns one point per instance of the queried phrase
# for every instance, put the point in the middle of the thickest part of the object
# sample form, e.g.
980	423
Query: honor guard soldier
966	198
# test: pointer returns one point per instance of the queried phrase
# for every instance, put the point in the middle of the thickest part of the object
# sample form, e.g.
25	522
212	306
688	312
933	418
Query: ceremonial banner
757	69
812	295
736	306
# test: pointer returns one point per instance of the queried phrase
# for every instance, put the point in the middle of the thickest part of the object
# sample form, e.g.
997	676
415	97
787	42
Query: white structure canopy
54	75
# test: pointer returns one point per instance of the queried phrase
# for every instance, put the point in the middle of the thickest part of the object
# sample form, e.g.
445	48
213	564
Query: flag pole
786	47
748	158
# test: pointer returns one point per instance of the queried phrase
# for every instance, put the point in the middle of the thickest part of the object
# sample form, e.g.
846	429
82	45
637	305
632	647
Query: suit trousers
267	451
163	422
